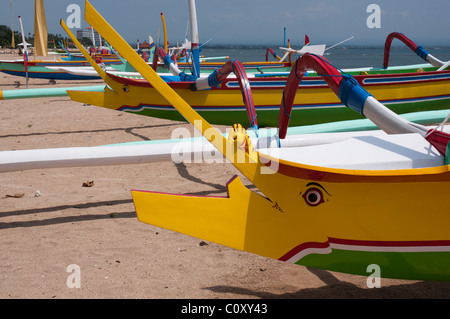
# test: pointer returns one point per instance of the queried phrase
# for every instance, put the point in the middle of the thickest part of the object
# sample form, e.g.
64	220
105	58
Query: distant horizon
260	45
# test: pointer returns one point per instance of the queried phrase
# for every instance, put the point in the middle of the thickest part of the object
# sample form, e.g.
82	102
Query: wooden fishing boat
341	206
403	93
337	218
321	209
403	89
78	68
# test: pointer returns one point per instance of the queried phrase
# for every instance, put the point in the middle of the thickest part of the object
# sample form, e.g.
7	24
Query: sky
254	21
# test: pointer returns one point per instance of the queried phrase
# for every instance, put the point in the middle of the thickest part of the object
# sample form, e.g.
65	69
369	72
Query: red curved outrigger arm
396	35
221	74
349	92
269	50
244	84
238	69
159	52
306	61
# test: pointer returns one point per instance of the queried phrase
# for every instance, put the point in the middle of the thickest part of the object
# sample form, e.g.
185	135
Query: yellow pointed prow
113	84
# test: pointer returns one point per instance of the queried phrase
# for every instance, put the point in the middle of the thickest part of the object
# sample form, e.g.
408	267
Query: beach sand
96	227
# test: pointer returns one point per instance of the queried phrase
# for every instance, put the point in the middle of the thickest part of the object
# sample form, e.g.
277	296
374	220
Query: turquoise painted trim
426	117
51	92
447	155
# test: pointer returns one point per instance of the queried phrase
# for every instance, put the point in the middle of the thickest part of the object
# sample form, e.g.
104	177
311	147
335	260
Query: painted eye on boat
313	196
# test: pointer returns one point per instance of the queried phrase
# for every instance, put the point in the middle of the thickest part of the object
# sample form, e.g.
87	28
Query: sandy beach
50	221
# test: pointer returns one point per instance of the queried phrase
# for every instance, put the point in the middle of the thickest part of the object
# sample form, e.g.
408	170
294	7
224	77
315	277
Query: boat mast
25	51
40	29
13	44
93	37
194	39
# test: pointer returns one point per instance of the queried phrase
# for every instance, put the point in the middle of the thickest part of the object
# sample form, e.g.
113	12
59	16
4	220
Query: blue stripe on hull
51	75
277	107
407	79
377	80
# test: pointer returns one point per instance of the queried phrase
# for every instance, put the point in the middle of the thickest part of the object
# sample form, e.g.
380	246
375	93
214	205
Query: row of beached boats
339	201
217	95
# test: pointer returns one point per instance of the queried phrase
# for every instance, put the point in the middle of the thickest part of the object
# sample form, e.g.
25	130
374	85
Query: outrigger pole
194	39
25	51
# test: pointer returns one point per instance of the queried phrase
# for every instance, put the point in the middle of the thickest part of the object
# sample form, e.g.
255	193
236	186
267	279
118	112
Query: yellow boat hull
312	105
307	213
362	218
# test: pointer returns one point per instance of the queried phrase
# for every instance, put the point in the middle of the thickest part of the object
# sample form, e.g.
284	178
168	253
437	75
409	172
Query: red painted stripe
351	242
334	176
302	247
387	45
375	243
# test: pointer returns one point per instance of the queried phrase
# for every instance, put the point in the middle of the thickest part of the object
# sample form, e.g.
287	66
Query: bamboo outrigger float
340	219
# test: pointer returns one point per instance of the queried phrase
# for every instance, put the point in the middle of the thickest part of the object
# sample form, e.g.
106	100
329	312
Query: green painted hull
399	265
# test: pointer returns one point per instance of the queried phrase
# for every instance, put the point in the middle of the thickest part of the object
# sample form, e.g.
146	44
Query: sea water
341	57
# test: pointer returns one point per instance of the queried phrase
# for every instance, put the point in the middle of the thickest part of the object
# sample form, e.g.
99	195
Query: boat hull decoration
341	219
